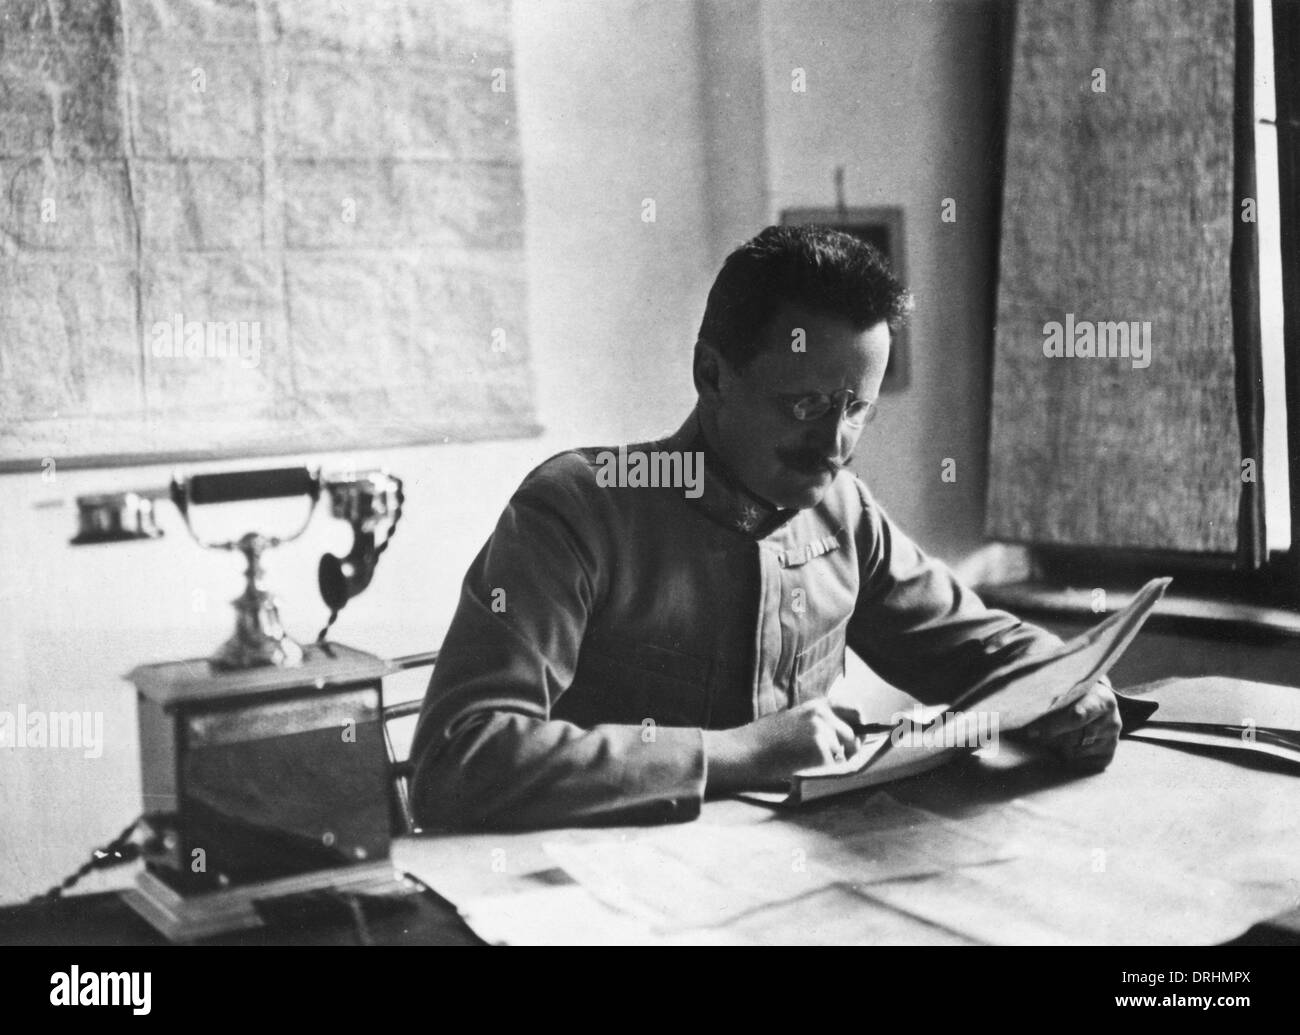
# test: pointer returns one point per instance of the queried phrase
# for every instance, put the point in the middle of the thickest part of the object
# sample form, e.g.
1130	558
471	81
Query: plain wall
684	103
903	95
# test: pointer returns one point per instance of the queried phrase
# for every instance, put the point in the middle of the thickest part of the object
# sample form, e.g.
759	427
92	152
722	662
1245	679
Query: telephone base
242	651
188	918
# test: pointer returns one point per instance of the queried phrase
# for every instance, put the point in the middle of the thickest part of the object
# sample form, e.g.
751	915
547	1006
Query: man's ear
707	371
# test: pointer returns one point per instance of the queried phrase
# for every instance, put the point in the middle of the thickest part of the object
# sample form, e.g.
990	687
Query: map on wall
258	227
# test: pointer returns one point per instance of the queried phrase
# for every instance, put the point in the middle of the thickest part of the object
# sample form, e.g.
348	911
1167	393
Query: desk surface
1166	846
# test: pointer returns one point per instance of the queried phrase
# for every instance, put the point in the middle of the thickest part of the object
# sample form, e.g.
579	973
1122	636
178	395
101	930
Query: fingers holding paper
1084	734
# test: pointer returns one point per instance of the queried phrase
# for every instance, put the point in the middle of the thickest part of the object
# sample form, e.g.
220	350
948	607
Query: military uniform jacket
603	627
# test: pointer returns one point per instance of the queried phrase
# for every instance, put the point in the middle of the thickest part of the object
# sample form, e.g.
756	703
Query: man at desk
623	646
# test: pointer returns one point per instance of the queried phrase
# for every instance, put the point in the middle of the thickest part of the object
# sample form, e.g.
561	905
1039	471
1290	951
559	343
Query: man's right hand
769	750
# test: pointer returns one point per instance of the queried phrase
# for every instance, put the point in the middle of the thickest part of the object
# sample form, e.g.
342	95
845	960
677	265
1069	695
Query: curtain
1115	417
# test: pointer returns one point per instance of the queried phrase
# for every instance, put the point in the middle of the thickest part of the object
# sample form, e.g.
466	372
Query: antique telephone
264	769
371	502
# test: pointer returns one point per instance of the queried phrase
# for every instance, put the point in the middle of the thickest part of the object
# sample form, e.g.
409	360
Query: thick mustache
815	461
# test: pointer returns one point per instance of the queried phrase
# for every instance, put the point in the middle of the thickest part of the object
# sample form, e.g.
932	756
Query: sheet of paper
706	876
706	883
1067	887
562	915
835	916
1029	688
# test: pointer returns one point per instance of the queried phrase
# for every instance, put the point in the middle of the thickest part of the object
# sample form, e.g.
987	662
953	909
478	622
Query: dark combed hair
817	267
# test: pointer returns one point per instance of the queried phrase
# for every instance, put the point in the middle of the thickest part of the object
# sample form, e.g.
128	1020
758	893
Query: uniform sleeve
917	626
487	753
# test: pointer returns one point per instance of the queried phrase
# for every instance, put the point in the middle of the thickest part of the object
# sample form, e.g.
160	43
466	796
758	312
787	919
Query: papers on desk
856	872
1071	887
1161	848
1156	850
706	877
706	883
562	915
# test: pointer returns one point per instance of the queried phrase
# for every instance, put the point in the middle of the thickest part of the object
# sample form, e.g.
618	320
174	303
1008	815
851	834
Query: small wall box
881	226
257	782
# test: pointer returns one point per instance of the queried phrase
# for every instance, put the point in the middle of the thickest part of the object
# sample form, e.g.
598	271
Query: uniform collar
724	499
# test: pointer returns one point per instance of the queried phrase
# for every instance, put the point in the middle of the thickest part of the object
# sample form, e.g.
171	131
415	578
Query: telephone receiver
367	502
342	578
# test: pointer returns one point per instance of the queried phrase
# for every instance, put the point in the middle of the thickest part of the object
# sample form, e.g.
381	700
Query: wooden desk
1224	836
1227	829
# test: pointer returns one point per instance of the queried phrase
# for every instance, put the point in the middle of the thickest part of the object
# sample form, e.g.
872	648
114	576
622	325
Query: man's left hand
1085	734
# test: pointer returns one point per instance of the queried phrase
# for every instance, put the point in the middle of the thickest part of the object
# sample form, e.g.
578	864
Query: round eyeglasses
814	406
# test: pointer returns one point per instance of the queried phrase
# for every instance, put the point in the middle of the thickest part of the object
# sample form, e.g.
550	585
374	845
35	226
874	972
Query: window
1141	194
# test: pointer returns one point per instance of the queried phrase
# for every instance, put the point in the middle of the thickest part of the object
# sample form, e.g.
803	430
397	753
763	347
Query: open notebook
1009	698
